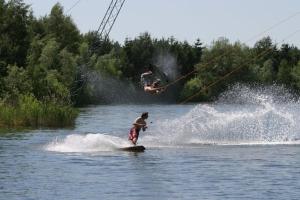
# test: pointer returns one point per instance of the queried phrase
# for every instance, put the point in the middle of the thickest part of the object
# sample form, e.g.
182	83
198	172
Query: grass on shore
29	112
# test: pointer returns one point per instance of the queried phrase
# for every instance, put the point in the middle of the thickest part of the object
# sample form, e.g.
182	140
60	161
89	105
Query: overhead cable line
224	54
109	18
73	6
233	71
103	31
274	26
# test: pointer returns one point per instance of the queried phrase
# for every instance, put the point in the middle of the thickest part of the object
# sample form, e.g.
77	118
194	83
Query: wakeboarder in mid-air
151	86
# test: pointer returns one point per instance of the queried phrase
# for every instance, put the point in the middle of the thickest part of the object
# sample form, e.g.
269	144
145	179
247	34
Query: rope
73	6
224	54
233	71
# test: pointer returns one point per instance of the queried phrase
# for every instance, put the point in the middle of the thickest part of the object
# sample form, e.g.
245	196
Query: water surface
205	151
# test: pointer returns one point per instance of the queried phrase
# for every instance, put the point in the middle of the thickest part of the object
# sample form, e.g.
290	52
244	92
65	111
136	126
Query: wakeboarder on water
138	124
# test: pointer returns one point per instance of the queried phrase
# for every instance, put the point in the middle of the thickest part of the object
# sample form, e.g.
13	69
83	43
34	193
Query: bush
33	113
192	87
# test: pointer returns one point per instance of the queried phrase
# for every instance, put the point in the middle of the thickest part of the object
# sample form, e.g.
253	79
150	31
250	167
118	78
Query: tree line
47	63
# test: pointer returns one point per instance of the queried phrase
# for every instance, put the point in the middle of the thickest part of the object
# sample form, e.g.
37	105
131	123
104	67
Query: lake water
247	150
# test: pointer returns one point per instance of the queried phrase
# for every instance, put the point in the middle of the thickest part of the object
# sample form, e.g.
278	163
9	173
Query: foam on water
87	143
241	116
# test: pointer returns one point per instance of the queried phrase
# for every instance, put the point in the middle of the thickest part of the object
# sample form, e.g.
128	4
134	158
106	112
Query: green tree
68	67
85	62
16	83
63	29
194	88
34	52
266	73
52	73
56	91
220	61
296	76
49	55
265	50
289	53
140	53
284	72
96	44
14	37
110	65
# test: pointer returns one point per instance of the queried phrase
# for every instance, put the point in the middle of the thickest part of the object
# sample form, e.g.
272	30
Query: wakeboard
133	149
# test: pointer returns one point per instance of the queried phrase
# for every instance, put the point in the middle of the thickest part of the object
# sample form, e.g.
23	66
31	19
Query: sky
246	21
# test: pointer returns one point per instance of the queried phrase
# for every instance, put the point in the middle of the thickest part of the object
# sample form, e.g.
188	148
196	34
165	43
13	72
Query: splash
260	115
107	89
243	115
167	63
101	88
257	94
87	143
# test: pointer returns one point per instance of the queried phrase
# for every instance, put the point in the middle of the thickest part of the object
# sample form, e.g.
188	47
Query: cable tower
104	29
109	18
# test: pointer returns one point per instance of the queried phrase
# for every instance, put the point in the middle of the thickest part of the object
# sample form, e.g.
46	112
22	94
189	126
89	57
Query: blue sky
237	20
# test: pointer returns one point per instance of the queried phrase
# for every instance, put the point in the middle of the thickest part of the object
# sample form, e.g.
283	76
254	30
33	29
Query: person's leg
135	137
134	140
131	134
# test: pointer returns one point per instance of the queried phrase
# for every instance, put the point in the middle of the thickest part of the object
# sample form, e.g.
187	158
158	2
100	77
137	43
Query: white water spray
87	143
256	116
167	63
242	116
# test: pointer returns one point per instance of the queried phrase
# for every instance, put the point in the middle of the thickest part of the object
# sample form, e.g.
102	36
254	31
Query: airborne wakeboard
133	149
